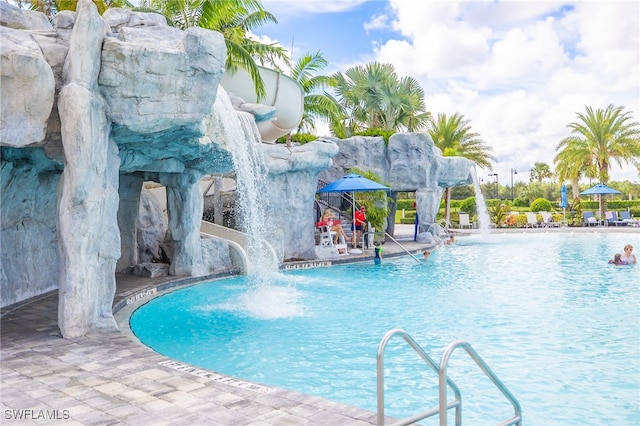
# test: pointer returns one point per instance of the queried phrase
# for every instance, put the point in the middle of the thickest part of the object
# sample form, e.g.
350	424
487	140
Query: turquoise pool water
556	323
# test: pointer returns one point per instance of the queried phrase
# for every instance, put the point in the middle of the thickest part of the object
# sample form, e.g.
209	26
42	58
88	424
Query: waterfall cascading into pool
481	208
243	142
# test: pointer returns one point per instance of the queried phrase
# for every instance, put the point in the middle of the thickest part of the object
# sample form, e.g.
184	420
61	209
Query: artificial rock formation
409	162
292	183
91	109
98	105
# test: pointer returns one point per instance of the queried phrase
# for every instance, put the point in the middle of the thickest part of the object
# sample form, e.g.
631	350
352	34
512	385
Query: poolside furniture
612	219
627	220
588	219
327	236
464	220
532	220
547	220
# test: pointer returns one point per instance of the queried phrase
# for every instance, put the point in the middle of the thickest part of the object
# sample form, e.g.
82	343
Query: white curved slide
283	93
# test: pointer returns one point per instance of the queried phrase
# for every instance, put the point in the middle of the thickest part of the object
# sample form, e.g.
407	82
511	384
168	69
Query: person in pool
378	255
628	258
617	260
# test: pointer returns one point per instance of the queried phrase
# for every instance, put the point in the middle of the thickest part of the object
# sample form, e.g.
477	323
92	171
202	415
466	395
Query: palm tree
374	97
598	138
315	104
567	168
234	19
539	172
454	137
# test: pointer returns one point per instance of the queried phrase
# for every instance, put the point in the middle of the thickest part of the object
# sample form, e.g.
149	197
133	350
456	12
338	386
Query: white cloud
520	71
377	22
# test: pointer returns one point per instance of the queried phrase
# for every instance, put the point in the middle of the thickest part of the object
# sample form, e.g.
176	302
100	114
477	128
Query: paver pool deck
109	378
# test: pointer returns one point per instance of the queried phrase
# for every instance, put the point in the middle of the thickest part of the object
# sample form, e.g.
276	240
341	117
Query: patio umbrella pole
354	243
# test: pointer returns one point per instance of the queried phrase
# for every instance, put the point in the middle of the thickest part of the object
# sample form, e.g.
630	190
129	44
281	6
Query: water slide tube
283	93
237	245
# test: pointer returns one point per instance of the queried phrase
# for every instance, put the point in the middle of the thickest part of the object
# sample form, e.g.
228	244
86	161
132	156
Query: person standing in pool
628	258
378	258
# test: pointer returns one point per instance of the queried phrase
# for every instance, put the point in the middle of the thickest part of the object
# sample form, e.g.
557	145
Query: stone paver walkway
109	378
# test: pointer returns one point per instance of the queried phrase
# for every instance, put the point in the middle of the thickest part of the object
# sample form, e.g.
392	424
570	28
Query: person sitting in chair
360	220
328	217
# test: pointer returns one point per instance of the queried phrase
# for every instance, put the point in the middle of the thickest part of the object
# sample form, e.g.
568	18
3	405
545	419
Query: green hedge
468	206
407	204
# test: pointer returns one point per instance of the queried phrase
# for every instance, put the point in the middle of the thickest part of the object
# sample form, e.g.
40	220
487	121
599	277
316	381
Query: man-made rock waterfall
97	106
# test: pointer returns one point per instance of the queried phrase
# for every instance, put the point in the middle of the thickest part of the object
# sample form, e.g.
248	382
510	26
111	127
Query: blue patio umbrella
563	197
563	203
600	189
354	183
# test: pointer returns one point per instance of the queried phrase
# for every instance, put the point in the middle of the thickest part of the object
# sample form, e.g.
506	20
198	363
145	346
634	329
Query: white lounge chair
464	220
547	220
532	220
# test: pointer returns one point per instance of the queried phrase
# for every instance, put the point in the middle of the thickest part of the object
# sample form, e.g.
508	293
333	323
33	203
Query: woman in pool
628	257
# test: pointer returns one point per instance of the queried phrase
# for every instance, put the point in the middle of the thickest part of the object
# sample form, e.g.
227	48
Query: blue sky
518	71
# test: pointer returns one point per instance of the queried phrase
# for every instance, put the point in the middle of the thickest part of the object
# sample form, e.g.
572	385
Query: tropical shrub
540	205
300	138
468	205
375	201
520	202
385	134
407	204
498	212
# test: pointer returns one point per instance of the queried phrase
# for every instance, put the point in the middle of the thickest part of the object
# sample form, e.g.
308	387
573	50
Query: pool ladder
444	381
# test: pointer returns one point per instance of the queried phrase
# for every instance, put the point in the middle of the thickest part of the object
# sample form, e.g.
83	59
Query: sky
518	71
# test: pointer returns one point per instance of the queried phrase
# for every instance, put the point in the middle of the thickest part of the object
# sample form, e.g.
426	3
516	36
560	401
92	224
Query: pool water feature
555	322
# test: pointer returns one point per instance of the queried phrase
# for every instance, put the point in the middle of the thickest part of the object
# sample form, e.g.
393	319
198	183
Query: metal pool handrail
442	374
443	405
402	247
380	381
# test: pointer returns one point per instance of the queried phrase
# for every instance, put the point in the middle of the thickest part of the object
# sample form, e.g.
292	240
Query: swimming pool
555	322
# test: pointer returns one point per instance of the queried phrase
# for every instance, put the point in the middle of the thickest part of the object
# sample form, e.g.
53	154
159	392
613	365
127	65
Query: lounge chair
547	220
589	219
532	220
627	220
464	220
612	218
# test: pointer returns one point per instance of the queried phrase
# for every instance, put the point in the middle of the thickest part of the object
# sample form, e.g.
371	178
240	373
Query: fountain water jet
481	208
